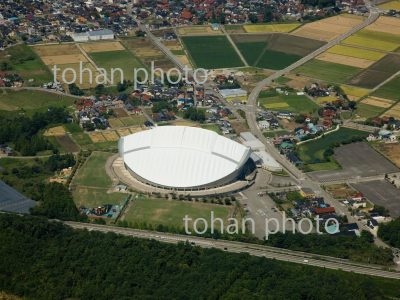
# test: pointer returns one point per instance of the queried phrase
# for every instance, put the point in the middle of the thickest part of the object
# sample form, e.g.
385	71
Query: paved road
255	250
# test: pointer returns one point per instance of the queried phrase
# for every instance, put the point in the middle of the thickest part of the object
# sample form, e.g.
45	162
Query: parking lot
13	201
381	192
357	160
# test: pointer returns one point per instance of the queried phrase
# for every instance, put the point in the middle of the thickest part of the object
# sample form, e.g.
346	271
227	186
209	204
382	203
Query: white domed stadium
183	158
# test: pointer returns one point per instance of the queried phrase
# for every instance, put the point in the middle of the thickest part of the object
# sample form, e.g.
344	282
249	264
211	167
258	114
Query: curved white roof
180	156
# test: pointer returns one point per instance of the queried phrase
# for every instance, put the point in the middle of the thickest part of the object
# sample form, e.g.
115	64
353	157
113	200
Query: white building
234	94
263	124
95	35
183	158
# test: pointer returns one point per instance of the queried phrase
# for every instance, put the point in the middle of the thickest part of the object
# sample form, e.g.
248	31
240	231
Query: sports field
211	52
93	172
24	61
270	27
292	103
171	212
326	71
313	151
122	59
32	101
390	90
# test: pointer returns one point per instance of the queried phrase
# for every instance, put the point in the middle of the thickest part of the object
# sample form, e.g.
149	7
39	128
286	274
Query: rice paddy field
211	52
390	90
368	111
273	51
354	93
259	28
327	71
356	52
374	39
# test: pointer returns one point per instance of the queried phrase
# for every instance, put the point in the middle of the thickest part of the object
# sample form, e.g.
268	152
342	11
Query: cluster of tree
47	260
23	131
195	114
319	3
59	162
360	249
161	105
390	232
75	90
56	202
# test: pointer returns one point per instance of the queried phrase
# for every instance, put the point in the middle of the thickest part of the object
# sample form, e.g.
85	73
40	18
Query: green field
93	172
251	51
292	103
32	101
25	62
390	90
369	111
374	39
354	91
327	71
123	59
276	60
211	52
171	212
212	127
312	152
284	27
94	197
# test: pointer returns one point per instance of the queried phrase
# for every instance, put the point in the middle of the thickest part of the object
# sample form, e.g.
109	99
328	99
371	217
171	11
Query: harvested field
298	82
345	60
330	28
378	72
64	59
110	136
379	102
374	39
327	71
393	112
123	131
391	151
394	5
198	30
83	82
356	52
386	24
271	27
54	50
67	144
55	131
97	137
173	45
102	47
183	59
120	112
135	129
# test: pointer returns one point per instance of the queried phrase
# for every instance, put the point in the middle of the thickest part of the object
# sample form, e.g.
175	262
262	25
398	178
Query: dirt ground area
55	131
67	143
102	47
239	126
123	131
198	30
386	24
115	123
345	60
173	45
340	191
120	112
64	59
298	82
379	102
53	50
328	29
391	151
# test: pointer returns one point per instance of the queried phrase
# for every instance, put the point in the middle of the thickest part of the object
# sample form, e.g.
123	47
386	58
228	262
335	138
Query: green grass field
32	101
123	59
327	71
390	90
171	212
313	151
93	173
94	197
212	127
369	111
251	50
211	52
374	39
292	103
25	62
